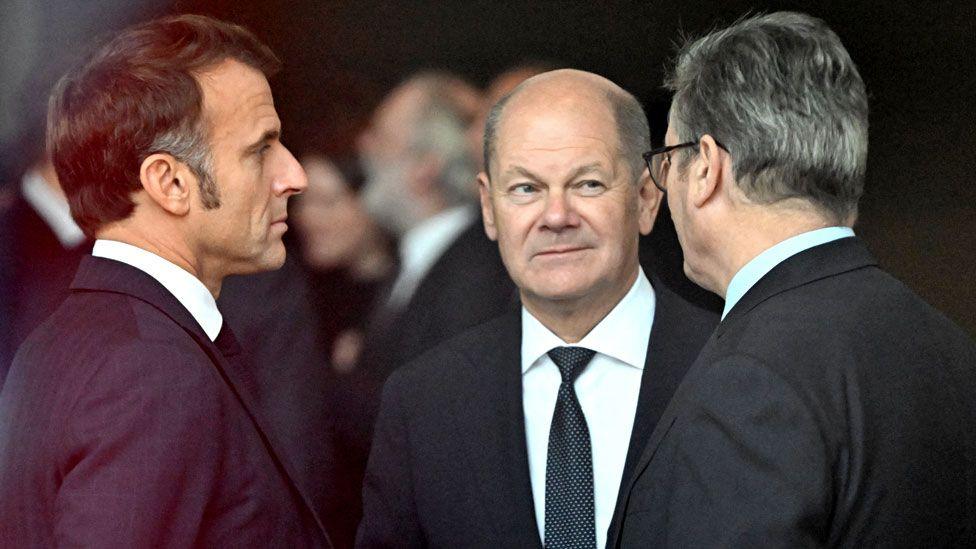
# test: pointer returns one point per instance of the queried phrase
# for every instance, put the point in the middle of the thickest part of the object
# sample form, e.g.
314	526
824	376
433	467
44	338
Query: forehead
237	99
576	131
395	111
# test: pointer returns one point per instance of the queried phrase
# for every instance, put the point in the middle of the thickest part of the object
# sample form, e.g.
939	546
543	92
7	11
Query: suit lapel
675	340
673	346
105	275
816	263
492	430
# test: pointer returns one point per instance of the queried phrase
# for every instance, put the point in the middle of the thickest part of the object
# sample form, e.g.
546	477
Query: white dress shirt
607	391
52	208
422	246
190	292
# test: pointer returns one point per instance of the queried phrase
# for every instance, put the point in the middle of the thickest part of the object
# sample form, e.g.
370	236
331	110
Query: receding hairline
613	97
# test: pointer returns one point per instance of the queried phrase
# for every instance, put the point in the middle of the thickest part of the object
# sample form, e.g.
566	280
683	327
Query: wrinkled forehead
550	124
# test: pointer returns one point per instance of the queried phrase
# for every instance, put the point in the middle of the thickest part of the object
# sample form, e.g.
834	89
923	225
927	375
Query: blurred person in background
347	253
419	186
41	244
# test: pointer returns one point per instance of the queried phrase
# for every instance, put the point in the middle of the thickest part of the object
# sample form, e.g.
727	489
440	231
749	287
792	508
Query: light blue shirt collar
757	268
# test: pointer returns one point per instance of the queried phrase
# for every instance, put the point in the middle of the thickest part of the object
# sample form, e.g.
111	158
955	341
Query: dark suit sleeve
389	510
748	465
142	447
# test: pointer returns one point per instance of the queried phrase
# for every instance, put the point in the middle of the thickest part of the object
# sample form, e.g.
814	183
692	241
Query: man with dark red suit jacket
129	418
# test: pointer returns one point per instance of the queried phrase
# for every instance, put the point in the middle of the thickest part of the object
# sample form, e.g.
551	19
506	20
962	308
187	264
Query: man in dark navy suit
832	407
520	431
129	417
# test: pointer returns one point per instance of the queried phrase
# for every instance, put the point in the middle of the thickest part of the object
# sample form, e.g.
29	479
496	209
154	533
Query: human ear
167	181
487	214
649	202
706	176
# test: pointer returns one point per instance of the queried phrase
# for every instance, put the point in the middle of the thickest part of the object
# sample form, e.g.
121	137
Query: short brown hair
135	96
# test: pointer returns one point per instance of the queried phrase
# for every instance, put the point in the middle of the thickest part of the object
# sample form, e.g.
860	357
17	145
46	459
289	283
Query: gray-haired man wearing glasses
832	407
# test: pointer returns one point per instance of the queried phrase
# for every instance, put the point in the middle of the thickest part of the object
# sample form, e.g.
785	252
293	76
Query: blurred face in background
329	217
384	148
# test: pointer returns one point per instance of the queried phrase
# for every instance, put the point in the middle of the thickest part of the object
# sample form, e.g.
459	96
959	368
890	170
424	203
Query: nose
290	178
559	212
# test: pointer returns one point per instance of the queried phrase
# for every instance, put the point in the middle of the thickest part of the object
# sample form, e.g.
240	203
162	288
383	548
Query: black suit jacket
832	407
449	466
466	286
122	424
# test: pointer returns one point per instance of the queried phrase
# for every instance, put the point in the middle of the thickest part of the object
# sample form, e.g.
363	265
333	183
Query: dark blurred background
342	57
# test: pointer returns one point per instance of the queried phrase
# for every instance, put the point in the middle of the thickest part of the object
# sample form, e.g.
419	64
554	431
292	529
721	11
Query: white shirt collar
623	334
757	267
190	292
52	208
423	245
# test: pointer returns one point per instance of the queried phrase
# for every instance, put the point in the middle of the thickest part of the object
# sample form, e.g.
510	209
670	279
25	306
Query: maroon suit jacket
122	424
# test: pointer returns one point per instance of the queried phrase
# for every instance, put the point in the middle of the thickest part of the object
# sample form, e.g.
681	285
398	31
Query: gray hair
633	131
781	93
438	127
189	145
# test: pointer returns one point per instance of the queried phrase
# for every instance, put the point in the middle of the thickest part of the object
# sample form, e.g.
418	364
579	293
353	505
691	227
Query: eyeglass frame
649	155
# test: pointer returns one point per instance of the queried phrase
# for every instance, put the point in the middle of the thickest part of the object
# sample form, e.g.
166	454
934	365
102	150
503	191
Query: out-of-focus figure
40	244
348	254
420	186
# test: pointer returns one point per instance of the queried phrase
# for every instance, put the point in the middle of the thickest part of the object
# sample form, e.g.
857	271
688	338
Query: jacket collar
827	260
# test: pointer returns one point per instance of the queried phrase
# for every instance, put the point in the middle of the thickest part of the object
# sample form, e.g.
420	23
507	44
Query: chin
560	288
269	260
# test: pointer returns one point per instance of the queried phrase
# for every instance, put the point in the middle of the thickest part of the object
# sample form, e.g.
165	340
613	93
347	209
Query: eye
591	187
522	189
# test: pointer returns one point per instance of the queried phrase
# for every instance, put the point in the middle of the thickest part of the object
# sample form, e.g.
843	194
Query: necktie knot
571	361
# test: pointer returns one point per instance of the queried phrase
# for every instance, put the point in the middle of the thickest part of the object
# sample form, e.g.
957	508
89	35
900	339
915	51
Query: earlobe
487	214
649	202
167	182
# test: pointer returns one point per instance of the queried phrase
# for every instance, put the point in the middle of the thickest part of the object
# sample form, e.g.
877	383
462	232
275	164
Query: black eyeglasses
659	162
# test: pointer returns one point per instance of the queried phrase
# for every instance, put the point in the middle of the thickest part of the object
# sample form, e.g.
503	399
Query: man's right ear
487	214
168	182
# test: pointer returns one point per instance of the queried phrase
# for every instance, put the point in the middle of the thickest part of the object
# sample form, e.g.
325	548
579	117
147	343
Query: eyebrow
270	135
586	168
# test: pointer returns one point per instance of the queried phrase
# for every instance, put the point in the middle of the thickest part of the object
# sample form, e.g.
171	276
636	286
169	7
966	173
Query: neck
757	230
572	319
176	253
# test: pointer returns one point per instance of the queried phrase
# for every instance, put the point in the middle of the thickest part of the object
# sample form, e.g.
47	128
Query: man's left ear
649	199
168	182
706	171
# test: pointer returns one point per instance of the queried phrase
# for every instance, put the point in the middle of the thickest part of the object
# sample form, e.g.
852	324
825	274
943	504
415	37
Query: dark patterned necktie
570	518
